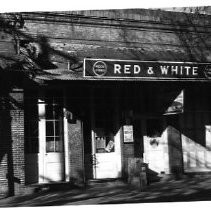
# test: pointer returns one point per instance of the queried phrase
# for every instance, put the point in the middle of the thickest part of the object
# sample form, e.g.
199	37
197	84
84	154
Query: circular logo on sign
208	71
99	68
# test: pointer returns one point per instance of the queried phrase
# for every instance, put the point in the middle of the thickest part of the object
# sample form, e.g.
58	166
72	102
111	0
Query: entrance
107	157
51	139
106	149
156	145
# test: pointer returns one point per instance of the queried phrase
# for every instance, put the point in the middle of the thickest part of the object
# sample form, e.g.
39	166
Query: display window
104	143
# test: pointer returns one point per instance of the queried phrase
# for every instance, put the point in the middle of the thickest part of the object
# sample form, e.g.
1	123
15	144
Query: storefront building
84	91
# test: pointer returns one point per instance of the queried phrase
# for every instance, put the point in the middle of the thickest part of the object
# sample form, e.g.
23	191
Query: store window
104	141
54	121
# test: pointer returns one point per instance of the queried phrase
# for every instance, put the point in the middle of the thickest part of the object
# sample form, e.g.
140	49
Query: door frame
42	139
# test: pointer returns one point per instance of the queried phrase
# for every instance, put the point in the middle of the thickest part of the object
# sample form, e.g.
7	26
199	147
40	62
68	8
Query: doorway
51	138
156	145
105	134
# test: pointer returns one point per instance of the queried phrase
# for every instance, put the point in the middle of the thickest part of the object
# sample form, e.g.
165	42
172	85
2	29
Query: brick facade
12	144
76	152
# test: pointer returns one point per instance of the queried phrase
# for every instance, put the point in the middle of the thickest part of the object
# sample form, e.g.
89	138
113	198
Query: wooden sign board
146	70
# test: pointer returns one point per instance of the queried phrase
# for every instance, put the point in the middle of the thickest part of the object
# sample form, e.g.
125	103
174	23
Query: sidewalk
187	189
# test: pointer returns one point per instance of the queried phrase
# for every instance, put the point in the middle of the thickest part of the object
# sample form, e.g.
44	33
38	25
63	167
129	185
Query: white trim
42	142
66	148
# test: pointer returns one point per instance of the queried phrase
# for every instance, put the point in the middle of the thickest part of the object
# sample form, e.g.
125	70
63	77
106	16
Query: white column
42	141
66	148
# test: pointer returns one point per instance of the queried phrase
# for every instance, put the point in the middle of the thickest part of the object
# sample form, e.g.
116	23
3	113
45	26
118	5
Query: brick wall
12	144
76	152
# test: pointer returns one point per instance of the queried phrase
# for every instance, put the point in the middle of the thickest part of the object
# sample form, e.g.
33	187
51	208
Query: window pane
49	144
49	128
54	113
58	144
57	128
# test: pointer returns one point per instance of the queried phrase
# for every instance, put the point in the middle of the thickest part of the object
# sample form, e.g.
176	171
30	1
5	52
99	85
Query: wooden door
51	139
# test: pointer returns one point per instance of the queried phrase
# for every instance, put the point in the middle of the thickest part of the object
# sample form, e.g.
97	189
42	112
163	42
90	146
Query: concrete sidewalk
187	189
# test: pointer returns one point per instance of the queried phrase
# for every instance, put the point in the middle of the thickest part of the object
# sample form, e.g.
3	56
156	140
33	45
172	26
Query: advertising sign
128	133
149	70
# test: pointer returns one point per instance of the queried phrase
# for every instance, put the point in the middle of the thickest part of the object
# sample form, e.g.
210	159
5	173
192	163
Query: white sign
128	133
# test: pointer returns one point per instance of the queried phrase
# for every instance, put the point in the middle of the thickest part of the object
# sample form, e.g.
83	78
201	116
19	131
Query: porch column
42	134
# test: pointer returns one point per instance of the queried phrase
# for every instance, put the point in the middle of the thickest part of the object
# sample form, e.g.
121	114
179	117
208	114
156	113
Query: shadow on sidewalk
189	189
